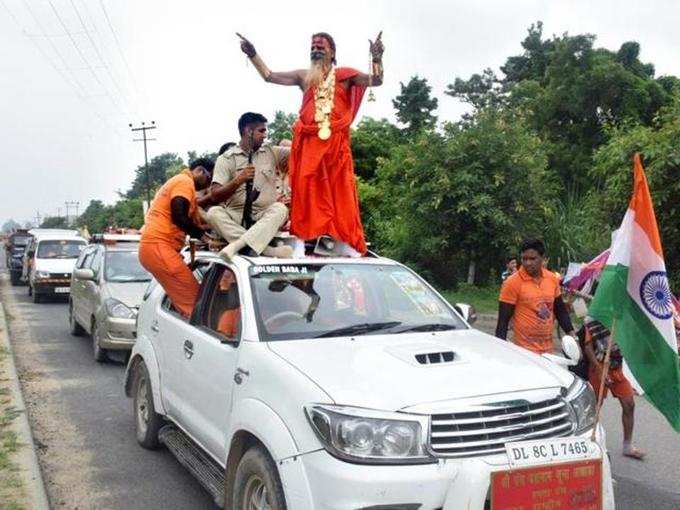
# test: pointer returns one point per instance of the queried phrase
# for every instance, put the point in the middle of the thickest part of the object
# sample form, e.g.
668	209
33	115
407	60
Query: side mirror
467	311
571	348
84	274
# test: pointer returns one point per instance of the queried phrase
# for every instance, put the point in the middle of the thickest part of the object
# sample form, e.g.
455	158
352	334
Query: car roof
57	237
239	260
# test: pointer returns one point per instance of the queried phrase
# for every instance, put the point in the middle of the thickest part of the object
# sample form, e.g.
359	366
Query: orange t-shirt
158	224
534	315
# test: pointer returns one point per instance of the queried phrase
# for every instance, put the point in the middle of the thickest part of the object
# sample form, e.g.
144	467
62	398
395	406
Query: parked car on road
15	246
107	286
48	263
350	384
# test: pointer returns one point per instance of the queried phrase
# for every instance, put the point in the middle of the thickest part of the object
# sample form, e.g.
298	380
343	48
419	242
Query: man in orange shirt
531	297
173	215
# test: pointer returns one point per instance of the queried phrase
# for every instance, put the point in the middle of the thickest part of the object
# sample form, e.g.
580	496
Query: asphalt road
83	425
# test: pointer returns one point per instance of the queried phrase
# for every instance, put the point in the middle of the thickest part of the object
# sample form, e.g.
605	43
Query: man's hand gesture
377	48
246	46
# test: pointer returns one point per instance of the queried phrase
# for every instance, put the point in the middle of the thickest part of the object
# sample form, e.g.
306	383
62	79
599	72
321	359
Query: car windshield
124	266
20	240
60	249
330	300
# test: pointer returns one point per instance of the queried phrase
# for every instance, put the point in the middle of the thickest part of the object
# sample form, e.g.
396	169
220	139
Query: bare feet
632	452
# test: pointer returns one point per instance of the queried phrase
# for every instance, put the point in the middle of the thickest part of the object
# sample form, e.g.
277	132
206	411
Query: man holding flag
634	301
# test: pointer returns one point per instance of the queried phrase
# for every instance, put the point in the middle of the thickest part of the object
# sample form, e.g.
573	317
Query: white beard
315	74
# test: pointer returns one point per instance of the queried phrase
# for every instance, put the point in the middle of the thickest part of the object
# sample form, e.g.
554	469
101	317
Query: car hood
130	293
382	371
55	265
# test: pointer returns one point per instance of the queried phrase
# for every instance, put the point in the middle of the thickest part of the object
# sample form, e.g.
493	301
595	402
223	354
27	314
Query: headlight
42	274
583	405
370	437
118	310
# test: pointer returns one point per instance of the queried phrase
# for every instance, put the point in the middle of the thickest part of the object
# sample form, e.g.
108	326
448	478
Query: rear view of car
15	248
107	287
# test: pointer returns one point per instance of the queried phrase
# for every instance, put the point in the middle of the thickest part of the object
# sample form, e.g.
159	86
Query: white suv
349	384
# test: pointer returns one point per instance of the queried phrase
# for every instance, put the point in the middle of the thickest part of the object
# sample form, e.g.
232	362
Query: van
49	260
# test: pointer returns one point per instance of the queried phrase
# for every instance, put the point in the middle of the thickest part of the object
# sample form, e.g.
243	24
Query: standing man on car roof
174	215
532	298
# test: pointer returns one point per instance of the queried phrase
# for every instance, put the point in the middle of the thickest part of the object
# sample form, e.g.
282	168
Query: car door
28	260
78	289
210	348
91	287
170	330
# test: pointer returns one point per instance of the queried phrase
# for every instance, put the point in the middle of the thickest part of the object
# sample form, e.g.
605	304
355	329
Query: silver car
107	286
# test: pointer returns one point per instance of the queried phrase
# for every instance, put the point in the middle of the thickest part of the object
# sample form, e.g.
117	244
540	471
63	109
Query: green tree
281	128
570	92
10	226
659	145
54	222
372	140
457	203
415	105
159	168
95	216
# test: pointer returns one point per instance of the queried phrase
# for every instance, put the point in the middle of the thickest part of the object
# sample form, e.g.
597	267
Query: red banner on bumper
570	485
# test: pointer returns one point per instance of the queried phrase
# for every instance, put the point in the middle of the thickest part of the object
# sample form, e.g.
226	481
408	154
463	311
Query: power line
82	93
99	54
82	56
115	38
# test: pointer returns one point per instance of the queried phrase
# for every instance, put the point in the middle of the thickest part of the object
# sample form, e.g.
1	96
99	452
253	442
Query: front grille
467	434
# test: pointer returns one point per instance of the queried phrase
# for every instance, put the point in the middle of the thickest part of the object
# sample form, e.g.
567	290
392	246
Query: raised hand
246	46
377	47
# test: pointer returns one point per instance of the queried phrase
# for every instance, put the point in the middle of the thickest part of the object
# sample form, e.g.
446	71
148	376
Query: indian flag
634	300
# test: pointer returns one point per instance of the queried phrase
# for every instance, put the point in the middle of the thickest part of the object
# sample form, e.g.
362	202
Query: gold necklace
323	105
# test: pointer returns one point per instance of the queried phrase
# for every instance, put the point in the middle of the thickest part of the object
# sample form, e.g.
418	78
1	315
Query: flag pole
603	378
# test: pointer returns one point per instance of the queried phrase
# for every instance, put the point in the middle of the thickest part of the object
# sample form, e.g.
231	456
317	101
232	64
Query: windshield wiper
359	329
430	326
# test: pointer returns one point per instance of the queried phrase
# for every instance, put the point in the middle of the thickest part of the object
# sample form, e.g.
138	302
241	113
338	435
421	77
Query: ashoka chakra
655	295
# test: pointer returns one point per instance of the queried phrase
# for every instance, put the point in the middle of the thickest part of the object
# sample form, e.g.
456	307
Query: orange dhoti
323	188
166	265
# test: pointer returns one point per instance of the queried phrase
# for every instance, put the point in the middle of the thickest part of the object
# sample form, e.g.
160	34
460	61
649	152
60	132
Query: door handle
188	349
240	374
154	327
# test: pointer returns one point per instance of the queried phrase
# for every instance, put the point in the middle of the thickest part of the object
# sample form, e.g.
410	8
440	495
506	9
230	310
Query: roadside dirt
64	461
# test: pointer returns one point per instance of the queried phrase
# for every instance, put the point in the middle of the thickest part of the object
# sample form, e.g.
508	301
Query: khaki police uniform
268	214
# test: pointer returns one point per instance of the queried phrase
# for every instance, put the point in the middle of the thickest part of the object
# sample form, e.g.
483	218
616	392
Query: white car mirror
571	348
84	274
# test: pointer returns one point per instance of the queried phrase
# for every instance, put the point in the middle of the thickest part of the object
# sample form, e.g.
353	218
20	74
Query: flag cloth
635	295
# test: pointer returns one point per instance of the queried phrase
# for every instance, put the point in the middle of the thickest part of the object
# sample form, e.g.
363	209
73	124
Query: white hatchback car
320	383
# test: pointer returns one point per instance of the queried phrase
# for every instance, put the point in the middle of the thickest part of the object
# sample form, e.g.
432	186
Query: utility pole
70	205
38	219
144	139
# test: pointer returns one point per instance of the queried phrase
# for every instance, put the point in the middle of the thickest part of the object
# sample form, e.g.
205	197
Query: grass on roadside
484	299
11	490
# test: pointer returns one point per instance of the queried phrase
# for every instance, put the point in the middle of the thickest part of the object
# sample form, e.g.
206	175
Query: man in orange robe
323	190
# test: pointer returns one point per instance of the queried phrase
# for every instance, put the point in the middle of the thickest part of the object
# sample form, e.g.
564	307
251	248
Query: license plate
62	290
546	451
573	485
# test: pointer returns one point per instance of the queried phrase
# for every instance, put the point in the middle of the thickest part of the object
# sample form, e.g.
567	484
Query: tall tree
415	105
159	168
54	222
10	226
372	140
281	128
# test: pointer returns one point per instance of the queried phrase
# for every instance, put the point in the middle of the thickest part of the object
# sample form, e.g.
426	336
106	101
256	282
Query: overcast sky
74	73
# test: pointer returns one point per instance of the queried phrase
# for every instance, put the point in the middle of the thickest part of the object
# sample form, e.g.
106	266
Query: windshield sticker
417	293
278	269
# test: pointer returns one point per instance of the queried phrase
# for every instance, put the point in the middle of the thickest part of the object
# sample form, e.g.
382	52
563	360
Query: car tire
100	354
257	482
30	289
147	421
74	327
14	278
37	298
